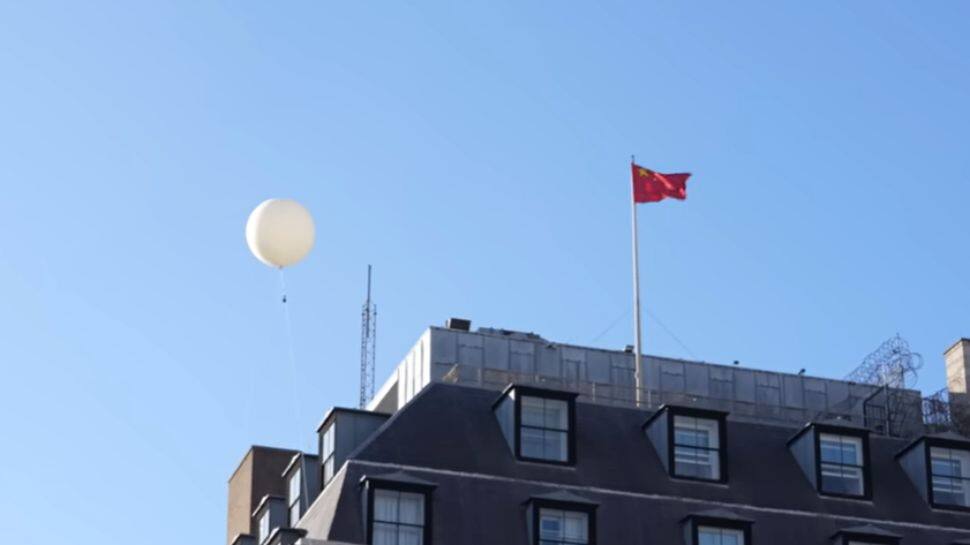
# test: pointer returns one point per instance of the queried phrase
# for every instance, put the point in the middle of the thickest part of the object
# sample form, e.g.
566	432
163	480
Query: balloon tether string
288	323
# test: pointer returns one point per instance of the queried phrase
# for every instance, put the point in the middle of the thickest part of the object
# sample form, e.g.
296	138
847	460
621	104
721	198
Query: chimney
957	359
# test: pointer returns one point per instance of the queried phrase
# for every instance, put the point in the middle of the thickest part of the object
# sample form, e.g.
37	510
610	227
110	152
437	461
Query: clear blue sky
477	155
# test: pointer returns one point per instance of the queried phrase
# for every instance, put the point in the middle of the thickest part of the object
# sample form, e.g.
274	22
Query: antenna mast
368	346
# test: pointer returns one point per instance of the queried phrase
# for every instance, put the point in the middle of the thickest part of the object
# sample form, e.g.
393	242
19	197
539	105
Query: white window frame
264	526
548	431
691	453
395	523
564	516
721	533
843	469
327	450
960	483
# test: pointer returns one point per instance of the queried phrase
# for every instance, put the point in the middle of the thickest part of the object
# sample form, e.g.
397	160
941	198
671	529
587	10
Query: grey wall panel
744	385
471	349
573	364
548	362
672	376
697	379
914	465
803	449
522	356
793	391
444	346
496	353
597	366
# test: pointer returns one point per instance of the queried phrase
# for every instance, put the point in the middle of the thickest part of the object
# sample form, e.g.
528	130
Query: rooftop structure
494	436
494	358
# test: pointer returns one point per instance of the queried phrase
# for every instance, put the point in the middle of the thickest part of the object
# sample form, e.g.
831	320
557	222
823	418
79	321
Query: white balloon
280	232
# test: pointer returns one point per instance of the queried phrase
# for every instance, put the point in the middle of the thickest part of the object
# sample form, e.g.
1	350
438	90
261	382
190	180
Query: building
494	437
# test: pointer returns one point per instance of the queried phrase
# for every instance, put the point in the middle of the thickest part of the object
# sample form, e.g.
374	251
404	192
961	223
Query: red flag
650	186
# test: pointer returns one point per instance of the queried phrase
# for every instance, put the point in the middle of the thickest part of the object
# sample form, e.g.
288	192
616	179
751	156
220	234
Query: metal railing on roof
937	414
625	396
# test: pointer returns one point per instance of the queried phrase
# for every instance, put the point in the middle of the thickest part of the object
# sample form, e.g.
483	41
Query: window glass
327	451
950	476
398	518
264	526
697	446
295	486
841	464
709	535
558	527
544	431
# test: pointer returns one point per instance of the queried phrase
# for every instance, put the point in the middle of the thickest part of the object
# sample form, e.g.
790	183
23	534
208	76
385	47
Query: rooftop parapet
494	358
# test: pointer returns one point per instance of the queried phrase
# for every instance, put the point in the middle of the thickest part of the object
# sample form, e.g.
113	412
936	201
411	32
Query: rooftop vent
460	324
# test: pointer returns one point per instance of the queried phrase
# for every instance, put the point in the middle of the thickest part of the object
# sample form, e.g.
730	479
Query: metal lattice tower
368	345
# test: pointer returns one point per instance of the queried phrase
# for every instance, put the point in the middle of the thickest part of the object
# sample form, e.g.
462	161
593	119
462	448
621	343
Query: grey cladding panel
496	353
913	463
549	362
573	364
838	395
444	346
794	391
598	366
803	449
697	379
352	430
657	434
672	376
470	350
815	397
722	383
522	357
505	413
768	389
744	385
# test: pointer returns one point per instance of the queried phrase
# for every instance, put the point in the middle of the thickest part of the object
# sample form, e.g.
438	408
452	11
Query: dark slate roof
449	435
722	514
869	530
945	436
398	477
563	496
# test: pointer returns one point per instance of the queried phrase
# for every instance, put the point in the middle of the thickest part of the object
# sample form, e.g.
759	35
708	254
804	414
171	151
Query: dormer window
263	527
715	535
717	527
269	515
939	467
561	518
293	496
690	442
559	527
327	452
697	447
841	464
538	424
834	455
950	476
865	535
544	429
398	509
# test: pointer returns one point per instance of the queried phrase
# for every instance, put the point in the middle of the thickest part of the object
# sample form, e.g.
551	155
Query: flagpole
638	361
